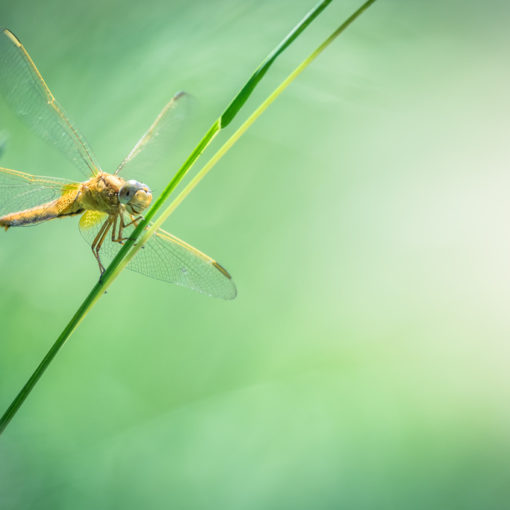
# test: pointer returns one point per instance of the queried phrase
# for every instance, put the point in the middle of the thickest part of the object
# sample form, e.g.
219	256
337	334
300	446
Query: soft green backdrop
364	364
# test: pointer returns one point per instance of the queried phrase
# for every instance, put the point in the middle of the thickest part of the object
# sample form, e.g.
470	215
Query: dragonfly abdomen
48	211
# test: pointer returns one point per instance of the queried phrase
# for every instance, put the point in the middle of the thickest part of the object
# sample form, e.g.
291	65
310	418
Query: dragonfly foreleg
134	221
117	237
98	242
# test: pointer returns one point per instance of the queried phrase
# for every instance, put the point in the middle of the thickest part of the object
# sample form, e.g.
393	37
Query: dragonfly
110	206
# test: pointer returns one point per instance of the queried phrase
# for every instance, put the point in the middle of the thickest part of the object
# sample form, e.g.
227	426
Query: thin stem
238	133
237	103
80	314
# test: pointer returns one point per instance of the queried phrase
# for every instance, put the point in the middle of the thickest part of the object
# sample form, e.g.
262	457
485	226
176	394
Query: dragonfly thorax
135	195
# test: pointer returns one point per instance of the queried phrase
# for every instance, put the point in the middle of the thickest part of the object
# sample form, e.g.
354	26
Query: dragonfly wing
155	141
20	191
27	94
165	257
168	258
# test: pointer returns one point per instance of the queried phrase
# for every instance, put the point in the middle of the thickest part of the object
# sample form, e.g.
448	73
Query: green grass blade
80	314
243	95
241	130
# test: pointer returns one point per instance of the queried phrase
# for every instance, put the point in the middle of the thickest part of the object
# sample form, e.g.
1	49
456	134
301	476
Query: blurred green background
364	364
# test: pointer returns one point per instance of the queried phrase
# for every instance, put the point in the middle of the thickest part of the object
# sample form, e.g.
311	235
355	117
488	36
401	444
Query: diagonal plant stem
130	248
240	131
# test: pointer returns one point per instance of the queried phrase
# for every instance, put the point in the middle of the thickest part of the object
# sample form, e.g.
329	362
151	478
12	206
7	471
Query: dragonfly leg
98	242
115	237
117	233
133	221
119	238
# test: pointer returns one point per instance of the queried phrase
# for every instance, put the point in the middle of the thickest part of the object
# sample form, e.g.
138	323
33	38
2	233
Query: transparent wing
27	94
20	191
156	140
3	143
165	257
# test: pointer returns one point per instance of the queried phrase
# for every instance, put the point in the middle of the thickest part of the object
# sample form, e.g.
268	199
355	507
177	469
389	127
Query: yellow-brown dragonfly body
110	206
100	193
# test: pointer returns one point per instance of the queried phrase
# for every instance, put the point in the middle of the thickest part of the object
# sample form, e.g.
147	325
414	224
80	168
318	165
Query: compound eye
125	194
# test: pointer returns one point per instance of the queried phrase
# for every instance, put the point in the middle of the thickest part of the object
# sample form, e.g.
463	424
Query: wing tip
230	295
225	273
221	269
12	37
234	293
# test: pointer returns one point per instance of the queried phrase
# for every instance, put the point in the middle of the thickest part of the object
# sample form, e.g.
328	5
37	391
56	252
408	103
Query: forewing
165	257
27	94
20	191
157	140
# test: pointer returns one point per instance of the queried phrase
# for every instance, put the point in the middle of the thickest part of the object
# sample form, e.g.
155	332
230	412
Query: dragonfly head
135	196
